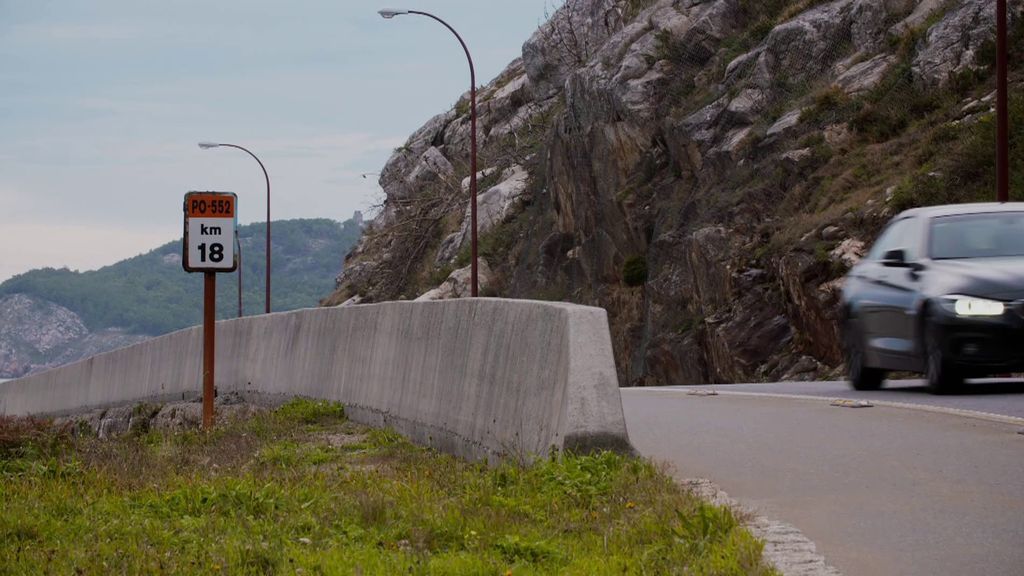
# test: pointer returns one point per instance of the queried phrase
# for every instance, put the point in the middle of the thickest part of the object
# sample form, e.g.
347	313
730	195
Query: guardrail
478	378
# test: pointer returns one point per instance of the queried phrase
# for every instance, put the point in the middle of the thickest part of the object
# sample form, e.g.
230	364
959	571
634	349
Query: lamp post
388	14
1002	110
238	243
207	146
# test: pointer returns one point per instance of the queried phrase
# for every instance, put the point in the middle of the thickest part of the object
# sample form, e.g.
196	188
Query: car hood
999	278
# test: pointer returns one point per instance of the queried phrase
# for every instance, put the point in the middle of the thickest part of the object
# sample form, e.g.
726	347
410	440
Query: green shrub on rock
634	271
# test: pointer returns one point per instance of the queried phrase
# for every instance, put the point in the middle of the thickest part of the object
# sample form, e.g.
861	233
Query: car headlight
971	306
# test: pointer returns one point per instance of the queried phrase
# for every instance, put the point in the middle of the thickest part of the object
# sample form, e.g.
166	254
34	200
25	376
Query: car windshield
988	235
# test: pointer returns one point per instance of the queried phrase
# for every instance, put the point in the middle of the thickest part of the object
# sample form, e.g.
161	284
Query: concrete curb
785	546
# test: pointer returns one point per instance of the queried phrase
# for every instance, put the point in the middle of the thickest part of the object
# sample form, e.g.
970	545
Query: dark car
941	292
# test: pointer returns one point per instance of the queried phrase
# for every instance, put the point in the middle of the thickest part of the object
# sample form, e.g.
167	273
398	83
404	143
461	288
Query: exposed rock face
687	139
567	41
171	417
459	284
494	205
951	46
29	329
864	76
35	335
46	325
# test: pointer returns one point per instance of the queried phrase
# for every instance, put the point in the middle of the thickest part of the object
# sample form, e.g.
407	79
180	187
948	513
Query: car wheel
943	377
862	377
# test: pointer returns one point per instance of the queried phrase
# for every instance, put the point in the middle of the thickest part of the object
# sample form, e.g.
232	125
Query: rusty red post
209	326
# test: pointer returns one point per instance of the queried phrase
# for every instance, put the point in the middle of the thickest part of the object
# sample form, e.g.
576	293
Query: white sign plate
210	219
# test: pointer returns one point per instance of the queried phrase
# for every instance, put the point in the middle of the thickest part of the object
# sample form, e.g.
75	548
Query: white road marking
987	416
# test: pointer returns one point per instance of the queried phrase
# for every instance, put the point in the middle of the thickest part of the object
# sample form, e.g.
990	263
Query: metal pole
474	279
267	178
1002	108
474	289
209	327
238	244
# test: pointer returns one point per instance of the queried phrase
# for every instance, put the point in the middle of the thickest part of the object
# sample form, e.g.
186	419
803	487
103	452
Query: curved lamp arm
207	146
390	13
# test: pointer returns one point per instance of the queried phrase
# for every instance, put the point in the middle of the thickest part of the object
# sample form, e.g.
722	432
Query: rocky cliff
706	170
36	334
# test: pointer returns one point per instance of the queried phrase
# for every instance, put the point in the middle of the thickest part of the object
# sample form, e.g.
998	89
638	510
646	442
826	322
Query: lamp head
208	145
389	13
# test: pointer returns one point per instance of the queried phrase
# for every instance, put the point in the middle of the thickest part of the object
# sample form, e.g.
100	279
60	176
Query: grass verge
302	490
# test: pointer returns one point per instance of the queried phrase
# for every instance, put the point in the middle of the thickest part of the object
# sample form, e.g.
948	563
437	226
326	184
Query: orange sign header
209	205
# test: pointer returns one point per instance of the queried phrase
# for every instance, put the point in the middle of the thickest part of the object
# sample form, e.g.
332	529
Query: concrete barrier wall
477	378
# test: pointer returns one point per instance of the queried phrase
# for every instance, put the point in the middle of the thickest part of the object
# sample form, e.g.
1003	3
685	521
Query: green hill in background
151	294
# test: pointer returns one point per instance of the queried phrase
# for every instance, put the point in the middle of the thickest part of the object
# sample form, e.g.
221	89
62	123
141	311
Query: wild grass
303	490
959	162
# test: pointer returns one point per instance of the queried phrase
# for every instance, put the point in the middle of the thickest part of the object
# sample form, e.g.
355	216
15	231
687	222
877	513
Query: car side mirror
895	259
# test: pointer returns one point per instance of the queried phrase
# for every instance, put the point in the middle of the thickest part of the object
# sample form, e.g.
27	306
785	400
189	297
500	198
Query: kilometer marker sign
210	221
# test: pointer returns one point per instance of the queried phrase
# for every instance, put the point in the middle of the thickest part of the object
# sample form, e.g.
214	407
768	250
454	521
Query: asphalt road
880	490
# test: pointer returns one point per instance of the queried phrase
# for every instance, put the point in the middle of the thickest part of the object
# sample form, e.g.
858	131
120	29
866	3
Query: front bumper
982	345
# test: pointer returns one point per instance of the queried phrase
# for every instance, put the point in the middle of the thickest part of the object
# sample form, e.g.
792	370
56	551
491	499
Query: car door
901	285
889	294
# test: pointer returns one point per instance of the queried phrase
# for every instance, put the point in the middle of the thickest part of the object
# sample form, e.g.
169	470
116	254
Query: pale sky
102	103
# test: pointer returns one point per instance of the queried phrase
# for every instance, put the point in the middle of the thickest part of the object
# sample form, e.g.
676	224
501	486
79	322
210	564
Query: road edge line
987	416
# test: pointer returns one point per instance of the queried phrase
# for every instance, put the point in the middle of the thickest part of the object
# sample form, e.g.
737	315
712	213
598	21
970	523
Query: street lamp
388	14
207	146
1002	109
238	243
